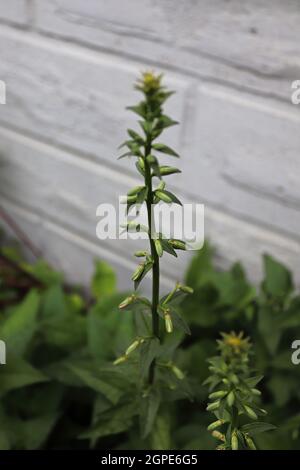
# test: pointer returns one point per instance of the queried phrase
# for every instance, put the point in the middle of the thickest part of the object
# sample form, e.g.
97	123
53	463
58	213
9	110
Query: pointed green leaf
165	149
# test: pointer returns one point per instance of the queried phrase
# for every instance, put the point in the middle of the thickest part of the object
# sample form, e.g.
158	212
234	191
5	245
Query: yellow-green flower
149	82
236	342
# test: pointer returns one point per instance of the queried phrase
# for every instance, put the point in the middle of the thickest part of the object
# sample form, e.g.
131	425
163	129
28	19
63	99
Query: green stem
155	257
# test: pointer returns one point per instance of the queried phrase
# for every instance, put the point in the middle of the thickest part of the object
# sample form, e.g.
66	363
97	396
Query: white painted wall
69	66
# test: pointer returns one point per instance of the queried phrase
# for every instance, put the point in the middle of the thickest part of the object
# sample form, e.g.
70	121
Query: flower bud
140	254
250	442
234	442
213	406
230	398
151	159
218	435
178	244
251	413
177	372
168	323
141	163
138	272
163	196
127	301
168	170
161	185
219	394
221	447
186	289
134	191
133	347
158	247
120	360
215	424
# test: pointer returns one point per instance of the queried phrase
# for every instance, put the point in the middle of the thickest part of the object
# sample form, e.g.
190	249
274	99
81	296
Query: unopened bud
251	413
133	346
234	442
141	163
186	289
140	254
250	442
127	301
158	247
161	185
213	406
215	424
219	394
135	190
168	170
120	360
151	159
230	398
138	272
177	372
168	323
178	244
218	435
163	196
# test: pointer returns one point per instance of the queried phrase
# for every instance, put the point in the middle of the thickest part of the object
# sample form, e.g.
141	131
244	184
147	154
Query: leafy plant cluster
233	395
59	388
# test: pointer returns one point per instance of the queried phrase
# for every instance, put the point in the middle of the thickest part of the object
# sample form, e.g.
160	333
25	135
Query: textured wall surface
69	67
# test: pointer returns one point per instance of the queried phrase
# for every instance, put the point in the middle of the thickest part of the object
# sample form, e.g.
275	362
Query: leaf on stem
165	149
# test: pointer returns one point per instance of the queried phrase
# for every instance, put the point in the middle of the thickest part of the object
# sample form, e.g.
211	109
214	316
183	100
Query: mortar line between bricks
86	159
136	59
260	192
91	162
211	79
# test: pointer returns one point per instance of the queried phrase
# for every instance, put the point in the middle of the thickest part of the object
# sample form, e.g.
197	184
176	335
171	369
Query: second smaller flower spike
233	396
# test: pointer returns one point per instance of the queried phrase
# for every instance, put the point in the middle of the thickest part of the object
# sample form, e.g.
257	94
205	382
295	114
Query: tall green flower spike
145	148
234	398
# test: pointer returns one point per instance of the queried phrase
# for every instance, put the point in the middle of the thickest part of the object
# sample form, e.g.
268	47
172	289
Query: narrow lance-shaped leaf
165	149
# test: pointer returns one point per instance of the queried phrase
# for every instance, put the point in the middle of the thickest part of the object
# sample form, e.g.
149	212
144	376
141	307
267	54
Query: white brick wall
69	70
16	11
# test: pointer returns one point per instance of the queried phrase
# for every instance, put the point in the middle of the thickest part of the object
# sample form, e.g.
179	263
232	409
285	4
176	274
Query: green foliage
234	395
104	280
59	387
